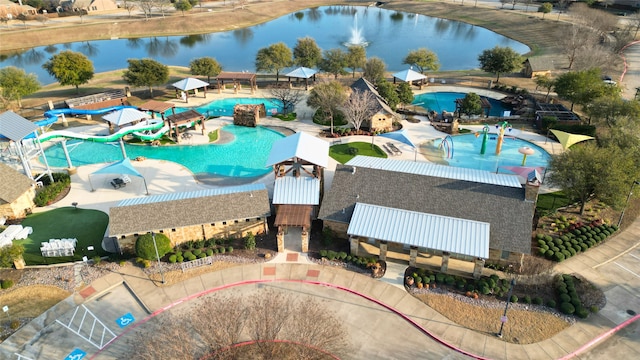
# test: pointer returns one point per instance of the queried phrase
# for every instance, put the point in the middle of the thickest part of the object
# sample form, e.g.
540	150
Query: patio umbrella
403	137
567	139
125	116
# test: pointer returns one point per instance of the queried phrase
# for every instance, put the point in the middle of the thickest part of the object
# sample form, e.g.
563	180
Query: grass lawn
88	226
342	153
550	202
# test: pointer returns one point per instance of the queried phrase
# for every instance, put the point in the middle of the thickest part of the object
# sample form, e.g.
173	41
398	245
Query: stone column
305	241
383	250
280	240
354	243
413	255
477	268
445	262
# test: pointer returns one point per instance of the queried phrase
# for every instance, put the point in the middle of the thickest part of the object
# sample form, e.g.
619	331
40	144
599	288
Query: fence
196	263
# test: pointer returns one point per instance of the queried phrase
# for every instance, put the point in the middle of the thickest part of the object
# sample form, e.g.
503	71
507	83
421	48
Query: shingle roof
363	84
12	184
173	214
503	207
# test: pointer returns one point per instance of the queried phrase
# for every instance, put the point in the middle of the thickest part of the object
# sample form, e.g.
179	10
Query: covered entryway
400	230
294	223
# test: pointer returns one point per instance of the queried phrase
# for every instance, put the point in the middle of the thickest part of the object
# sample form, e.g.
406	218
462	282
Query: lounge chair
393	148
386	148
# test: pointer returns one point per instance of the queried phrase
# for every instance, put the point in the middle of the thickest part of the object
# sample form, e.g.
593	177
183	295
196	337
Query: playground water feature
446	101
245	156
464	151
224	107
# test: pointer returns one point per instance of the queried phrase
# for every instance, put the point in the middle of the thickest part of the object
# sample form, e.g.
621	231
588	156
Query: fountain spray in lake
356	35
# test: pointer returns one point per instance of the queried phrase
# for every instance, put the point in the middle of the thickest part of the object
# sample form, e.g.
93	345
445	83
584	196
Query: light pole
635	182
153	236
503	319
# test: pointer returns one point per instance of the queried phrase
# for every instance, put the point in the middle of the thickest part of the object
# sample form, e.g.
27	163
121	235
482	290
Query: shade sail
409	75
301	72
123	167
400	135
567	139
125	116
189	84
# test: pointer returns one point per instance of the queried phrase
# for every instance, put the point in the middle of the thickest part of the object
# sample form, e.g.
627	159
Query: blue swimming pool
224	107
465	153
245	156
446	101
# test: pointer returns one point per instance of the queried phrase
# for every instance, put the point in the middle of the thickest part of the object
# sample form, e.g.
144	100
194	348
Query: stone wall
382	122
339	228
248	115
200	232
19	207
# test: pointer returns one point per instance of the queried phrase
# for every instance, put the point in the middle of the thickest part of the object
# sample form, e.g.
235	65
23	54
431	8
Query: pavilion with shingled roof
236	78
183	119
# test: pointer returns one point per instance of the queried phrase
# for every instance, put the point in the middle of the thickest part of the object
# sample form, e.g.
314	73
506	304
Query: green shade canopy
567	139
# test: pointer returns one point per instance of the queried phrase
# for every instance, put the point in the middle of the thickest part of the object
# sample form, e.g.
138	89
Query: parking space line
624	268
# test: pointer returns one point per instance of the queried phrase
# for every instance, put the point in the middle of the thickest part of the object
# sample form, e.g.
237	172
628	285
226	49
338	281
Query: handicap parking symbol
76	354
125	320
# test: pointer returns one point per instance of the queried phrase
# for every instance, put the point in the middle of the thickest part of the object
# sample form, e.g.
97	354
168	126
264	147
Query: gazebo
302	73
409	76
185	85
160	107
236	78
183	119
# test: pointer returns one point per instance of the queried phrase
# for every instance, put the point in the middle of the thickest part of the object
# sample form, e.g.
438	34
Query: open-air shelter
409	76
189	84
236	78
158	107
302	73
186	118
122	167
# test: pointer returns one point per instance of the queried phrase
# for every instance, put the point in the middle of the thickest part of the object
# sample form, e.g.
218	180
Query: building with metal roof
505	208
298	161
231	211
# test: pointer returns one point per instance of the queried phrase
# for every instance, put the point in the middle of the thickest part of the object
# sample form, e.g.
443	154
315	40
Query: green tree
545	82
499	60
333	62
423	59
8	254
356	58
146	72
405	94
608	110
205	66
307	53
374	70
582	87
388	92
70	68
545	8
328	98
15	84
183	5
146	249
587	170
274	58
471	105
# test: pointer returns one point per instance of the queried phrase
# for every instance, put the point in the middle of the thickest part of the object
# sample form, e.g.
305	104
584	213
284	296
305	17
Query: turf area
88	226
343	153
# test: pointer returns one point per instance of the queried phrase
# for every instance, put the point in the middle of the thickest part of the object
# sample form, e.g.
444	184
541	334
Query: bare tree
634	23
163	6
287	96
277	325
146	6
129	6
359	108
597	56
504	2
573	41
562	7
601	21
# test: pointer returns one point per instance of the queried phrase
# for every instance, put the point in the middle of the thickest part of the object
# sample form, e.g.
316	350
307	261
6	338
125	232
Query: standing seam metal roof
460	236
190	194
435	170
301	190
15	127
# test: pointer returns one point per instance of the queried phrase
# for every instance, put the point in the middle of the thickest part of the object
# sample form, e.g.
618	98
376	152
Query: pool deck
168	177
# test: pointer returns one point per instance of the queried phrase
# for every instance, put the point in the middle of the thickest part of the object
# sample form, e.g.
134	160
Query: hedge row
574	241
190	255
570	302
343	256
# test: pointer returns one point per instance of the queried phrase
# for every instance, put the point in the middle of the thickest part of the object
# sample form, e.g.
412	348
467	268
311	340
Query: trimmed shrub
439	278
564	298
197	252
250	241
513	299
229	249
146	249
209	252
537	300
559	257
526	299
222	250
202	255
449	280
6	284
179	259
15	324
582	312
567	308
173	258
551	303
192	257
594	309
187	254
